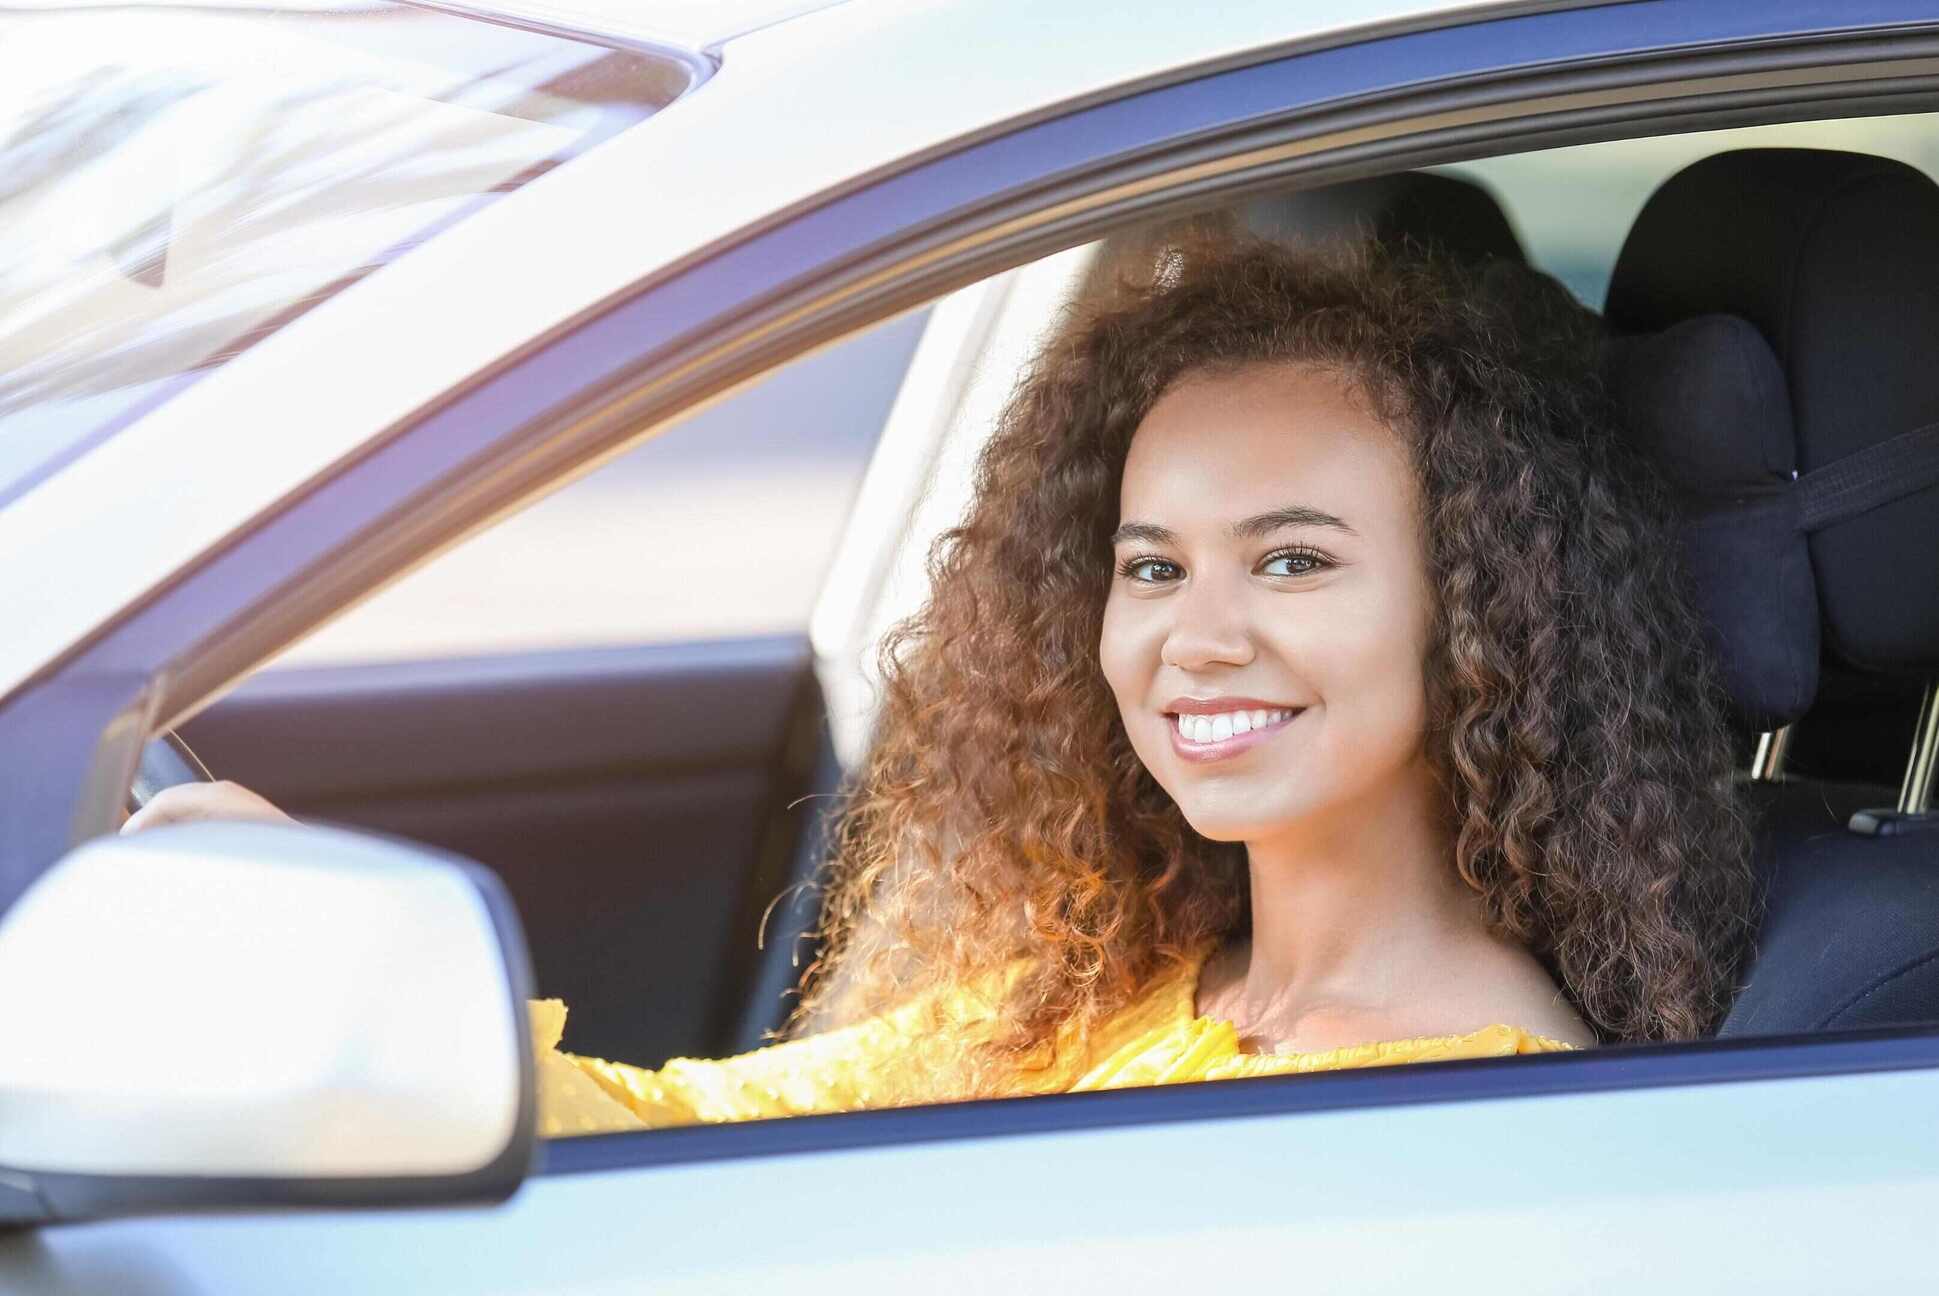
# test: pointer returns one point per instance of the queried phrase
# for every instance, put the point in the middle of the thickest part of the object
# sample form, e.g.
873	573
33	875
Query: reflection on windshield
177	182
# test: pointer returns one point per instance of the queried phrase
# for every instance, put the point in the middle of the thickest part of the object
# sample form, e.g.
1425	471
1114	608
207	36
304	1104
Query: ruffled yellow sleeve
570	1102
863	1065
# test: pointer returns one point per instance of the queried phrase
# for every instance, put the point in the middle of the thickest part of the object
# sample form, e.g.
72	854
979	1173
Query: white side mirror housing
226	1014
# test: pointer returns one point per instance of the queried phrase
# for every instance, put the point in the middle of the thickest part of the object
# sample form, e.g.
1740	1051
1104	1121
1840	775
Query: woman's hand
189	802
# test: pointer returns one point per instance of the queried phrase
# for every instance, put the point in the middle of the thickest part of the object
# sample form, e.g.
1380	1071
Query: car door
609	700
1783	1165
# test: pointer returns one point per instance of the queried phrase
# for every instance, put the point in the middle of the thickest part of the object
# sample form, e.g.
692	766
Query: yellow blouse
1155	1039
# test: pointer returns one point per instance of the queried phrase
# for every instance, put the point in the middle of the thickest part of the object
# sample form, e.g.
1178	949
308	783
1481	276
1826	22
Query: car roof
796	110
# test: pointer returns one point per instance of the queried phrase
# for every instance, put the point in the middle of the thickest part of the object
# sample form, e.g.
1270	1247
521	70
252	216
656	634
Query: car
551	234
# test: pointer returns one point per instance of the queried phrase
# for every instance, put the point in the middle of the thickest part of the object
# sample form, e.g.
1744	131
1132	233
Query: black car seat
1780	313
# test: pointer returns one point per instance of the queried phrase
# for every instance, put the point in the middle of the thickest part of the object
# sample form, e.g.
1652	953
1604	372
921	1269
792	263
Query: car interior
656	810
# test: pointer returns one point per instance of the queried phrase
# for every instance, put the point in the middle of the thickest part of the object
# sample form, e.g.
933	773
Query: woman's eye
1149	571
1295	562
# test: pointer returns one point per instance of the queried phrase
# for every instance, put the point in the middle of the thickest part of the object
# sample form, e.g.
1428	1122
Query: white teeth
1218	728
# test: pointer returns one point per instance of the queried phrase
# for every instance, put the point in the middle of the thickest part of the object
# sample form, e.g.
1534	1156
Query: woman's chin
1228	827
1251	814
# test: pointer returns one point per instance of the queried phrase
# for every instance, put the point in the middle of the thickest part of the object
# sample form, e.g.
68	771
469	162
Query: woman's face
1270	608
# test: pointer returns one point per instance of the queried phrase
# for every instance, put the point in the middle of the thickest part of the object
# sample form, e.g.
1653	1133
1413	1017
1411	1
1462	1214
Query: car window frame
558	409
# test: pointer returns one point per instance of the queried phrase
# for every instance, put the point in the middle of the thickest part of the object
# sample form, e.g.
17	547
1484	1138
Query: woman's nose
1208	628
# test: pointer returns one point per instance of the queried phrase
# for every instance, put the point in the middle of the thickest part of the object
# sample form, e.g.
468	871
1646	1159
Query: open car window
755	519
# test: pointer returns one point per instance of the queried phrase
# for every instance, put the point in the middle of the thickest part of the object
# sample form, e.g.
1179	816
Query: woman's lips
1224	748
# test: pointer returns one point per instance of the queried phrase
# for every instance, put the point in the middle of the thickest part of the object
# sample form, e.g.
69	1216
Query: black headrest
1705	401
1456	216
1834	259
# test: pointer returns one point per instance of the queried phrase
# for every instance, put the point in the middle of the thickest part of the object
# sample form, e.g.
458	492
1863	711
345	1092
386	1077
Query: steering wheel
165	762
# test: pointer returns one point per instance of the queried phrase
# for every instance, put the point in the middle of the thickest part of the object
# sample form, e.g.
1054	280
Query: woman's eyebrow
1252	528
1264	524
1148	532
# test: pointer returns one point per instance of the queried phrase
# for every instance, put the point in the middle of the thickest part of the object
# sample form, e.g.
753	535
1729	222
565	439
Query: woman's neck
1354	919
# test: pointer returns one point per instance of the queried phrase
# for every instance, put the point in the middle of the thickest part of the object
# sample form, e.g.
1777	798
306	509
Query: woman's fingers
190	802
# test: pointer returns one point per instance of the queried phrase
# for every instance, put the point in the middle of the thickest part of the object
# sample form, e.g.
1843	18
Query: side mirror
246	1015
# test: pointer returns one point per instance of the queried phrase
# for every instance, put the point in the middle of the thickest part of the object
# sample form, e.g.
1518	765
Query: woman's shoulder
1505	983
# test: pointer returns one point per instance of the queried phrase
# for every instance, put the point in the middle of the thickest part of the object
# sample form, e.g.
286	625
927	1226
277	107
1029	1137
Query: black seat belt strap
1876	475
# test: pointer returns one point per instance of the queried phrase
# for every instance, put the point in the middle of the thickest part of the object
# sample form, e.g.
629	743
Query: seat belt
1865	479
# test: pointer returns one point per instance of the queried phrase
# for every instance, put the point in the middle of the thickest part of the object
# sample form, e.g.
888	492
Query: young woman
1307	687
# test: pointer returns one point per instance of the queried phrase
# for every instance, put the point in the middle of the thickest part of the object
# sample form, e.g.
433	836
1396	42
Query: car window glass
179	182
720	526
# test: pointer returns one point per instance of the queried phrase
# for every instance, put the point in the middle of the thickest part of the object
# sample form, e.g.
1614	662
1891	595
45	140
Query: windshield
177	182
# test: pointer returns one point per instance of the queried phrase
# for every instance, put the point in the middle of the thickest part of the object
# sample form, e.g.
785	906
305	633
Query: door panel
635	801
1812	1185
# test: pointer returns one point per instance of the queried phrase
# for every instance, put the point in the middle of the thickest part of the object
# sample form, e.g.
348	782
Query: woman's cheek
1122	656
1379	676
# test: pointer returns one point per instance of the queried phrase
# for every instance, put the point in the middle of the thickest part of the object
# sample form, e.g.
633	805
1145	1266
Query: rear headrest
1705	401
1460	218
1834	259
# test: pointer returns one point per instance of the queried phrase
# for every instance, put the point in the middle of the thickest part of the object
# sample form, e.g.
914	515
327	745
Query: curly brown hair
1002	819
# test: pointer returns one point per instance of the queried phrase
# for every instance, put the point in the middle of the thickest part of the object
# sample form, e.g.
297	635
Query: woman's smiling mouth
1217	729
